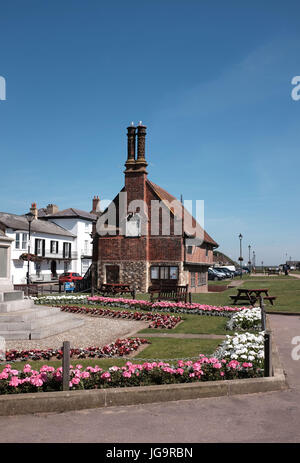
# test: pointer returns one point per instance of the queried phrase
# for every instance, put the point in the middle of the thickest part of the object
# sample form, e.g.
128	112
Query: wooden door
112	274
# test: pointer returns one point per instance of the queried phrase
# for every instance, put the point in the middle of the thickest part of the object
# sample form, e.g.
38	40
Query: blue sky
212	82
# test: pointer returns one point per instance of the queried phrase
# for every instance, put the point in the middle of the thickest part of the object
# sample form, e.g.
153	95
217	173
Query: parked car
213	274
238	272
225	270
69	276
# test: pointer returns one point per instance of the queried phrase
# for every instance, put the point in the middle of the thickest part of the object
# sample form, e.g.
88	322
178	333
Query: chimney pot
96	204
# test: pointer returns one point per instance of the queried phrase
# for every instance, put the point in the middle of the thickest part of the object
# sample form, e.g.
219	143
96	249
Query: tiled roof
19	222
68	213
191	224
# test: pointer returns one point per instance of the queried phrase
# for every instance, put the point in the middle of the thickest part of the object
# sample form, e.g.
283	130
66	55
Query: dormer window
133	225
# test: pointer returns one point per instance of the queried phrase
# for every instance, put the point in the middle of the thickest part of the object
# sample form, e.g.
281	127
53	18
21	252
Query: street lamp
253	259
29	216
249	261
241	257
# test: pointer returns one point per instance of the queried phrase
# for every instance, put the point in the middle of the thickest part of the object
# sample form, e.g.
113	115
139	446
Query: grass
195	324
160	348
172	348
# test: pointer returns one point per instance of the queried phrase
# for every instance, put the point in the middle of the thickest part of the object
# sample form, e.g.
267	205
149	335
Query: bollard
134	293
268	354
190	298
66	366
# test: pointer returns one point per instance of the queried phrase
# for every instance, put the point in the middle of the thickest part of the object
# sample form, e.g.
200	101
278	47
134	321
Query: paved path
269	417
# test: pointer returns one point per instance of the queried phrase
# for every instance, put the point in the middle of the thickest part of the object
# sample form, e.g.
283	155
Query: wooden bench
175	293
115	288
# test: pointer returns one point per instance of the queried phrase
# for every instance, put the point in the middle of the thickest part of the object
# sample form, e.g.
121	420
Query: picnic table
115	288
251	295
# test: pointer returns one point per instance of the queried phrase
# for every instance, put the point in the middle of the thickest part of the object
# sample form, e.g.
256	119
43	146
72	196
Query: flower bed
156	320
245	347
50	379
248	319
163	306
119	348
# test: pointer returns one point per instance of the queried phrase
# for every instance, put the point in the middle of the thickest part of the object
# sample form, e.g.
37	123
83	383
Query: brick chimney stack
135	173
140	163
52	209
96	205
131	134
34	210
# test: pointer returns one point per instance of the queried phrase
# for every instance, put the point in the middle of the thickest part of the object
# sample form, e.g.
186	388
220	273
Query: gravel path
96	331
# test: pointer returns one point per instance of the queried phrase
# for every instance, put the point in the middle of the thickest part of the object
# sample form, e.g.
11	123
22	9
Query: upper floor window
39	247
206	251
133	225
54	247
21	240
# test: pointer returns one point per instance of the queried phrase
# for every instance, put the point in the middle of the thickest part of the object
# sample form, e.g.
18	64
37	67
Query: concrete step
16	305
43	331
13	296
35	323
57	328
29	314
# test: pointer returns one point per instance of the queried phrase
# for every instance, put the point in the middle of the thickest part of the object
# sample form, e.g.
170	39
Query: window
18	240
67	250
133	225
174	273
86	247
54	247
24	240
164	273
38	269
206	251
21	240
202	278
154	273
39	247
190	249
193	279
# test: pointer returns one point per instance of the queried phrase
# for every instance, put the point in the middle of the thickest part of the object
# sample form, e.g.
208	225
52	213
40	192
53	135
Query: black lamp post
249	261
241	257
29	217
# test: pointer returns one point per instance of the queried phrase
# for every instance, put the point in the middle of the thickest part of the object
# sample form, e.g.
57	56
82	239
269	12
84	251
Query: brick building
146	246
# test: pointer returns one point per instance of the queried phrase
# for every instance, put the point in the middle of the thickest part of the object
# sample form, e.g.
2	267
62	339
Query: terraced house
146	237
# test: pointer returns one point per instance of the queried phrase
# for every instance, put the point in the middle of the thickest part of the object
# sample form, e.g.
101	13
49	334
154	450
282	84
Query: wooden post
268	371
92	280
190	297
263	313
66	366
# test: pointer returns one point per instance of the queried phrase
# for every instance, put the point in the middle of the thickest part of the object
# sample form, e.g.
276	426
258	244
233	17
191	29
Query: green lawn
195	324
286	289
160	348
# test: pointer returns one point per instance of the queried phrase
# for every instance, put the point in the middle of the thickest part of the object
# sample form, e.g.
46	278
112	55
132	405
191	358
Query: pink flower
105	375
217	365
14	381
247	365
126	374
